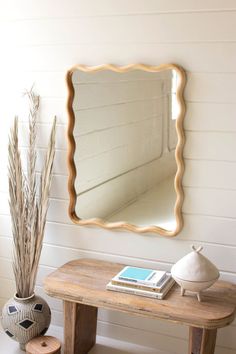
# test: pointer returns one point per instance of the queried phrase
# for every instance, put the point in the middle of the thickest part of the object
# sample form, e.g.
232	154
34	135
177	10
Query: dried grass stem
28	212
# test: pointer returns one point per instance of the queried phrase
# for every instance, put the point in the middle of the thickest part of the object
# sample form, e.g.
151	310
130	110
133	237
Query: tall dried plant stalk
28	211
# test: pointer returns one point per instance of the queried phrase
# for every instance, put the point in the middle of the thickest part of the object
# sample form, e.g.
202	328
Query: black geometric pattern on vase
24	319
12	309
9	333
26	324
43	331
38	307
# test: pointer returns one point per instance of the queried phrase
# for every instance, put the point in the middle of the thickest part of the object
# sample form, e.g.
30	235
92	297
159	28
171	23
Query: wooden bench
81	284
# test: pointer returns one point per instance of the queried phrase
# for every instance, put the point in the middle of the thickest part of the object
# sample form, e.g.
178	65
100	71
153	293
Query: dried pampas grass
28	211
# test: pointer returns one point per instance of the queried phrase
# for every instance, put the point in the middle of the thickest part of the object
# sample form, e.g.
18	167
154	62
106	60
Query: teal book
142	276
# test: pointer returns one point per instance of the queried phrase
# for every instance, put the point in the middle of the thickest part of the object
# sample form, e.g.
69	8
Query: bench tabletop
84	281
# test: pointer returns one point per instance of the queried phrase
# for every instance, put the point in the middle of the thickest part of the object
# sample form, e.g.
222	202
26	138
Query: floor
158	201
103	346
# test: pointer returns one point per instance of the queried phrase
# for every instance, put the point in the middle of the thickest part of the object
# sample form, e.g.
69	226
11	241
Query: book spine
139	285
133	281
134	292
140	282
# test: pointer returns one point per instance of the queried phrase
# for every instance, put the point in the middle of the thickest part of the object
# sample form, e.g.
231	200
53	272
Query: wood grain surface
80	334
84	281
202	341
43	345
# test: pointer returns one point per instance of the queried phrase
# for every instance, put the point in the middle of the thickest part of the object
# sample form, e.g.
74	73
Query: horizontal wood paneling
197	228
58	188
216	202
108	7
121	137
34	9
201	87
210	146
224	256
155	339
115	93
40	42
210	174
212	117
219	203
59	166
211	229
119	115
151	53
97	165
206	87
123	29
214	146
43	134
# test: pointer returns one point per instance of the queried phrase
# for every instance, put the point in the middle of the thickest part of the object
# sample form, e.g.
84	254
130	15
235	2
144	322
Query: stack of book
142	281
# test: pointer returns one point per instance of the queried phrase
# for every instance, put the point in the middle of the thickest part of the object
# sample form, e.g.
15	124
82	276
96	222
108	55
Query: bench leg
202	341
80	325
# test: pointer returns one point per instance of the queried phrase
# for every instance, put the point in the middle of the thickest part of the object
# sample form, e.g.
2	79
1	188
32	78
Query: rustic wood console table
81	284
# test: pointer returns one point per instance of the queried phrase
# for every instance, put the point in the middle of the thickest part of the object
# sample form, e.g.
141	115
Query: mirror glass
125	140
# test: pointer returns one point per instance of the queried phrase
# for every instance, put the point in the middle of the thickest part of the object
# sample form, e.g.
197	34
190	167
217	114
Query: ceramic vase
194	272
25	318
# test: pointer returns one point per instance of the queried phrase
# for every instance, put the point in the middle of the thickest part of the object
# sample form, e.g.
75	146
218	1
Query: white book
140	292
156	288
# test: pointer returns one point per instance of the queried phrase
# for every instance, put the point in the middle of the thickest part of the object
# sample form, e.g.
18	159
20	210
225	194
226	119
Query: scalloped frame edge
178	151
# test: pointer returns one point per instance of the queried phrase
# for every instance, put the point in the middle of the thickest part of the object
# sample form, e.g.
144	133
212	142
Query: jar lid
43	345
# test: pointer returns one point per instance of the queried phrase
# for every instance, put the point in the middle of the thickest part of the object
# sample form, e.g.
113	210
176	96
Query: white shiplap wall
40	40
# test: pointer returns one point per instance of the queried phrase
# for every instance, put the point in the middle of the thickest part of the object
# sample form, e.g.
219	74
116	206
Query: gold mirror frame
178	151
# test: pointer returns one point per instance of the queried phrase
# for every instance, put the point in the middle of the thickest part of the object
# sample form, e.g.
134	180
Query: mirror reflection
125	140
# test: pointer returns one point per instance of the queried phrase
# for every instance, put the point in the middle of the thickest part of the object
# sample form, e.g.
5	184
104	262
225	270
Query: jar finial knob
198	250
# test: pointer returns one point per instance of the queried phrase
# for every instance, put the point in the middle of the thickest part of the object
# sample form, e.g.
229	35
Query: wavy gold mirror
126	141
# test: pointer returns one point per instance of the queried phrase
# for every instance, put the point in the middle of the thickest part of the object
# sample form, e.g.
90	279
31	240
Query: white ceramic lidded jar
194	272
